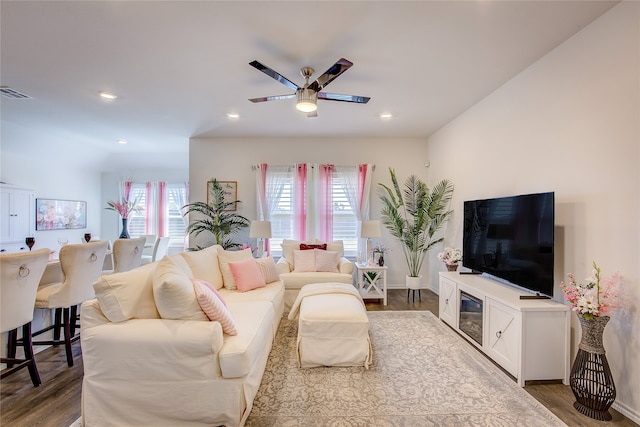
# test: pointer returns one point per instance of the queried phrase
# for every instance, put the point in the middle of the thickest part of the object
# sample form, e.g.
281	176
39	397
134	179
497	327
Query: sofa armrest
152	349
283	266
345	266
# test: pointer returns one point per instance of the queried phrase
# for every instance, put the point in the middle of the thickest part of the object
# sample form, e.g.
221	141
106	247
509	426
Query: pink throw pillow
247	275
304	261
214	308
268	269
211	287
326	261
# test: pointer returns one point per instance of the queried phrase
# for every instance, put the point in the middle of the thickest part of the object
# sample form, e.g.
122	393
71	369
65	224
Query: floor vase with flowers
591	380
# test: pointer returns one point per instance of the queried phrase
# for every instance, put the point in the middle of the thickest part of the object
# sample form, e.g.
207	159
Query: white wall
231	160
569	124
64	179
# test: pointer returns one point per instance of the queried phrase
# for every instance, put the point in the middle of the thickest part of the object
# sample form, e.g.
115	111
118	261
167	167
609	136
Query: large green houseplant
216	217
415	215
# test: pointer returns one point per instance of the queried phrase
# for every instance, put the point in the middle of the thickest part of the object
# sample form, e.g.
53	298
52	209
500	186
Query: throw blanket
322	288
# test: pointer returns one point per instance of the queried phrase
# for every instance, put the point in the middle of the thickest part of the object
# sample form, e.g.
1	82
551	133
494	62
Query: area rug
423	374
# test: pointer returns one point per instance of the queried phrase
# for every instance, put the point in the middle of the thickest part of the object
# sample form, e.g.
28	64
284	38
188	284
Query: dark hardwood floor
56	403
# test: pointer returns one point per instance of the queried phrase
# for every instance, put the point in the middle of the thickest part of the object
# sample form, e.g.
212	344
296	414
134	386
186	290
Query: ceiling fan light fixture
307	100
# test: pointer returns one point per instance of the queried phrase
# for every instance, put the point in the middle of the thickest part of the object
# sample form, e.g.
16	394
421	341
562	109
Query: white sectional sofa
151	355
331	267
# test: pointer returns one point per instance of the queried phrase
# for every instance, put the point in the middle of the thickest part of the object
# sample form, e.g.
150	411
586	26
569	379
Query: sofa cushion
173	292
247	275
326	261
298	280
304	261
127	295
214	308
268	269
204	264
239	353
224	258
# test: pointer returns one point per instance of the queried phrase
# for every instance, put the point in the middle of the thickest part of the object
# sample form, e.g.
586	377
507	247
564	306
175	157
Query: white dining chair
81	266
20	275
150	243
127	254
160	249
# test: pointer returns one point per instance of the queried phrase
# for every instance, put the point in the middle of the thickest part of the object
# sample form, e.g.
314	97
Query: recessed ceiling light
122	141
233	115
386	115
107	95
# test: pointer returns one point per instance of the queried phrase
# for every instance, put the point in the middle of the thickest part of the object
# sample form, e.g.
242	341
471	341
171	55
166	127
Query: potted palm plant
414	216
217	218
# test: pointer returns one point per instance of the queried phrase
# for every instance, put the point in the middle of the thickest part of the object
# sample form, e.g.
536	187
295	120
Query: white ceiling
178	67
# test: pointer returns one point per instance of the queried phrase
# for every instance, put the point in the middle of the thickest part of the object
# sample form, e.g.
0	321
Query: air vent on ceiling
7	92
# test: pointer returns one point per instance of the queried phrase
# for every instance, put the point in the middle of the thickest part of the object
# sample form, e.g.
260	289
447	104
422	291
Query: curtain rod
256	167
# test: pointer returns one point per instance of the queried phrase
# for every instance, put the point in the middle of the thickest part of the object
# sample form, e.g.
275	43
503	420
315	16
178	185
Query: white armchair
316	262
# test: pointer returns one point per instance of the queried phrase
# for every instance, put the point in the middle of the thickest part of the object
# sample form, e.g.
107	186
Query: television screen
511	238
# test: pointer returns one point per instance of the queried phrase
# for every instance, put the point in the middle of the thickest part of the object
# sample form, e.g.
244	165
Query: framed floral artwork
230	189
54	214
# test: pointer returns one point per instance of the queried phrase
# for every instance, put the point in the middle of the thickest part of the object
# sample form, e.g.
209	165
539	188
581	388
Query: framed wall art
54	214
230	189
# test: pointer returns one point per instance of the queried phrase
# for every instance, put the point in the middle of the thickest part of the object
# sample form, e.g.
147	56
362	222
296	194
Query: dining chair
150	243
160	249
127	254
81	266
20	275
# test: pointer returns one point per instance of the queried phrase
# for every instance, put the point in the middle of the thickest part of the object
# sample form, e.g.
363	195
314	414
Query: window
345	220
152	218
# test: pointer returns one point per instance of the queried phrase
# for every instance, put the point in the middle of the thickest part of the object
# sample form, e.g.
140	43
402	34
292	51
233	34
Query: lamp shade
260	229
370	229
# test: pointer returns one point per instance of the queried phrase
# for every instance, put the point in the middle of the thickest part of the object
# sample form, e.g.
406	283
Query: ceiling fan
308	95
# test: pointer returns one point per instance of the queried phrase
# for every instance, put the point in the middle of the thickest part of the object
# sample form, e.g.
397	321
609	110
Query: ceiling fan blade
344	98
273	98
332	73
273	74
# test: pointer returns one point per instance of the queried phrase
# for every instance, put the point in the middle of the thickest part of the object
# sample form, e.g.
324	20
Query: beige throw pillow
174	293
224	258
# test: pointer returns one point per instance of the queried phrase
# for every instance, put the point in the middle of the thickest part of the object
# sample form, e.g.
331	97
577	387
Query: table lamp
369	229
260	230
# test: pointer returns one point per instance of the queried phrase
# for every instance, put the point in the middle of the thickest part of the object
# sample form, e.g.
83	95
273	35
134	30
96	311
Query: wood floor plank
56	403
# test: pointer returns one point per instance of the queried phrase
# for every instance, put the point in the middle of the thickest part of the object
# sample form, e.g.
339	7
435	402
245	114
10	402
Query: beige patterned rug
423	374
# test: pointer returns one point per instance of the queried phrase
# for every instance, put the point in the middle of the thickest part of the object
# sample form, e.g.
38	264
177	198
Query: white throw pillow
224	258
304	261
326	261
174	293
288	246
127	295
268	269
204	264
337	246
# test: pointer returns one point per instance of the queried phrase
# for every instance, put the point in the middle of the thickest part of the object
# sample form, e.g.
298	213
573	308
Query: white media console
529	338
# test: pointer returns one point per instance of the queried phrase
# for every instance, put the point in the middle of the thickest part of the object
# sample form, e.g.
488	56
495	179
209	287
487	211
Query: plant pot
452	267
413	282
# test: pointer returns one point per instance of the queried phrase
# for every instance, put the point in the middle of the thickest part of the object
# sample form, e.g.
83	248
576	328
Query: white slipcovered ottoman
333	328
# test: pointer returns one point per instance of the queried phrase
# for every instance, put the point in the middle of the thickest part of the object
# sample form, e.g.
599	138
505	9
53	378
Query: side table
368	277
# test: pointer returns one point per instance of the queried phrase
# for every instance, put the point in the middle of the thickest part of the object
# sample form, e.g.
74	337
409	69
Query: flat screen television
511	238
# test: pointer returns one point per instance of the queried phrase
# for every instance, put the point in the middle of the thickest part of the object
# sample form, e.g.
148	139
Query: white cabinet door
17	215
503	332
448	302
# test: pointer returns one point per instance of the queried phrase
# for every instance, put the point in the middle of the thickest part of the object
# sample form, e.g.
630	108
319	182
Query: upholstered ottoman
333	328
